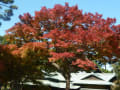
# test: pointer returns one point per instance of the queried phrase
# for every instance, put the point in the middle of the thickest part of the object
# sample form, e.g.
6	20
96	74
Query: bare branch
4	5
56	65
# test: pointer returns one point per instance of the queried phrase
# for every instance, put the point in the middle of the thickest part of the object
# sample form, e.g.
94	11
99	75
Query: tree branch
4	5
56	65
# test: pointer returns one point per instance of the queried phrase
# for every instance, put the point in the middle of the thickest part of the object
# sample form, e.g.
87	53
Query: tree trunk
65	73
67	82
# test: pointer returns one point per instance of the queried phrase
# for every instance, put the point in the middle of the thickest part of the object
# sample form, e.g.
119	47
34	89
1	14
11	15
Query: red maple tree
69	35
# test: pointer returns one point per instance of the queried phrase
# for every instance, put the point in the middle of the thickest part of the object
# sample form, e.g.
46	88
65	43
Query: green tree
6	9
3	40
116	67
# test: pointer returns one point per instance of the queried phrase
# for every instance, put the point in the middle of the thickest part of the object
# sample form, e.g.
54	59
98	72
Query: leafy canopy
69	34
66	37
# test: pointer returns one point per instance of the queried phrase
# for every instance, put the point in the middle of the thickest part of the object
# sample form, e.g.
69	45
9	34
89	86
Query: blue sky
109	8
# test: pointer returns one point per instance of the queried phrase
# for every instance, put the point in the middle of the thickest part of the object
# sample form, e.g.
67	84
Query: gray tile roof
57	80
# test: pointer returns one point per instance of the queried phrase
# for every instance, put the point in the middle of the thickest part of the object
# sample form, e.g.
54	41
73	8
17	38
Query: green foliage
3	40
116	67
105	70
116	85
6	9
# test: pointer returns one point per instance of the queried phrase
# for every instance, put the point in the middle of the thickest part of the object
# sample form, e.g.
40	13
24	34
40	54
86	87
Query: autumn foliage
65	35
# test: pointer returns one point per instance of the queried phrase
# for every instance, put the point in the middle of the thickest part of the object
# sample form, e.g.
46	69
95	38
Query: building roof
59	84
91	82
80	78
103	76
77	79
